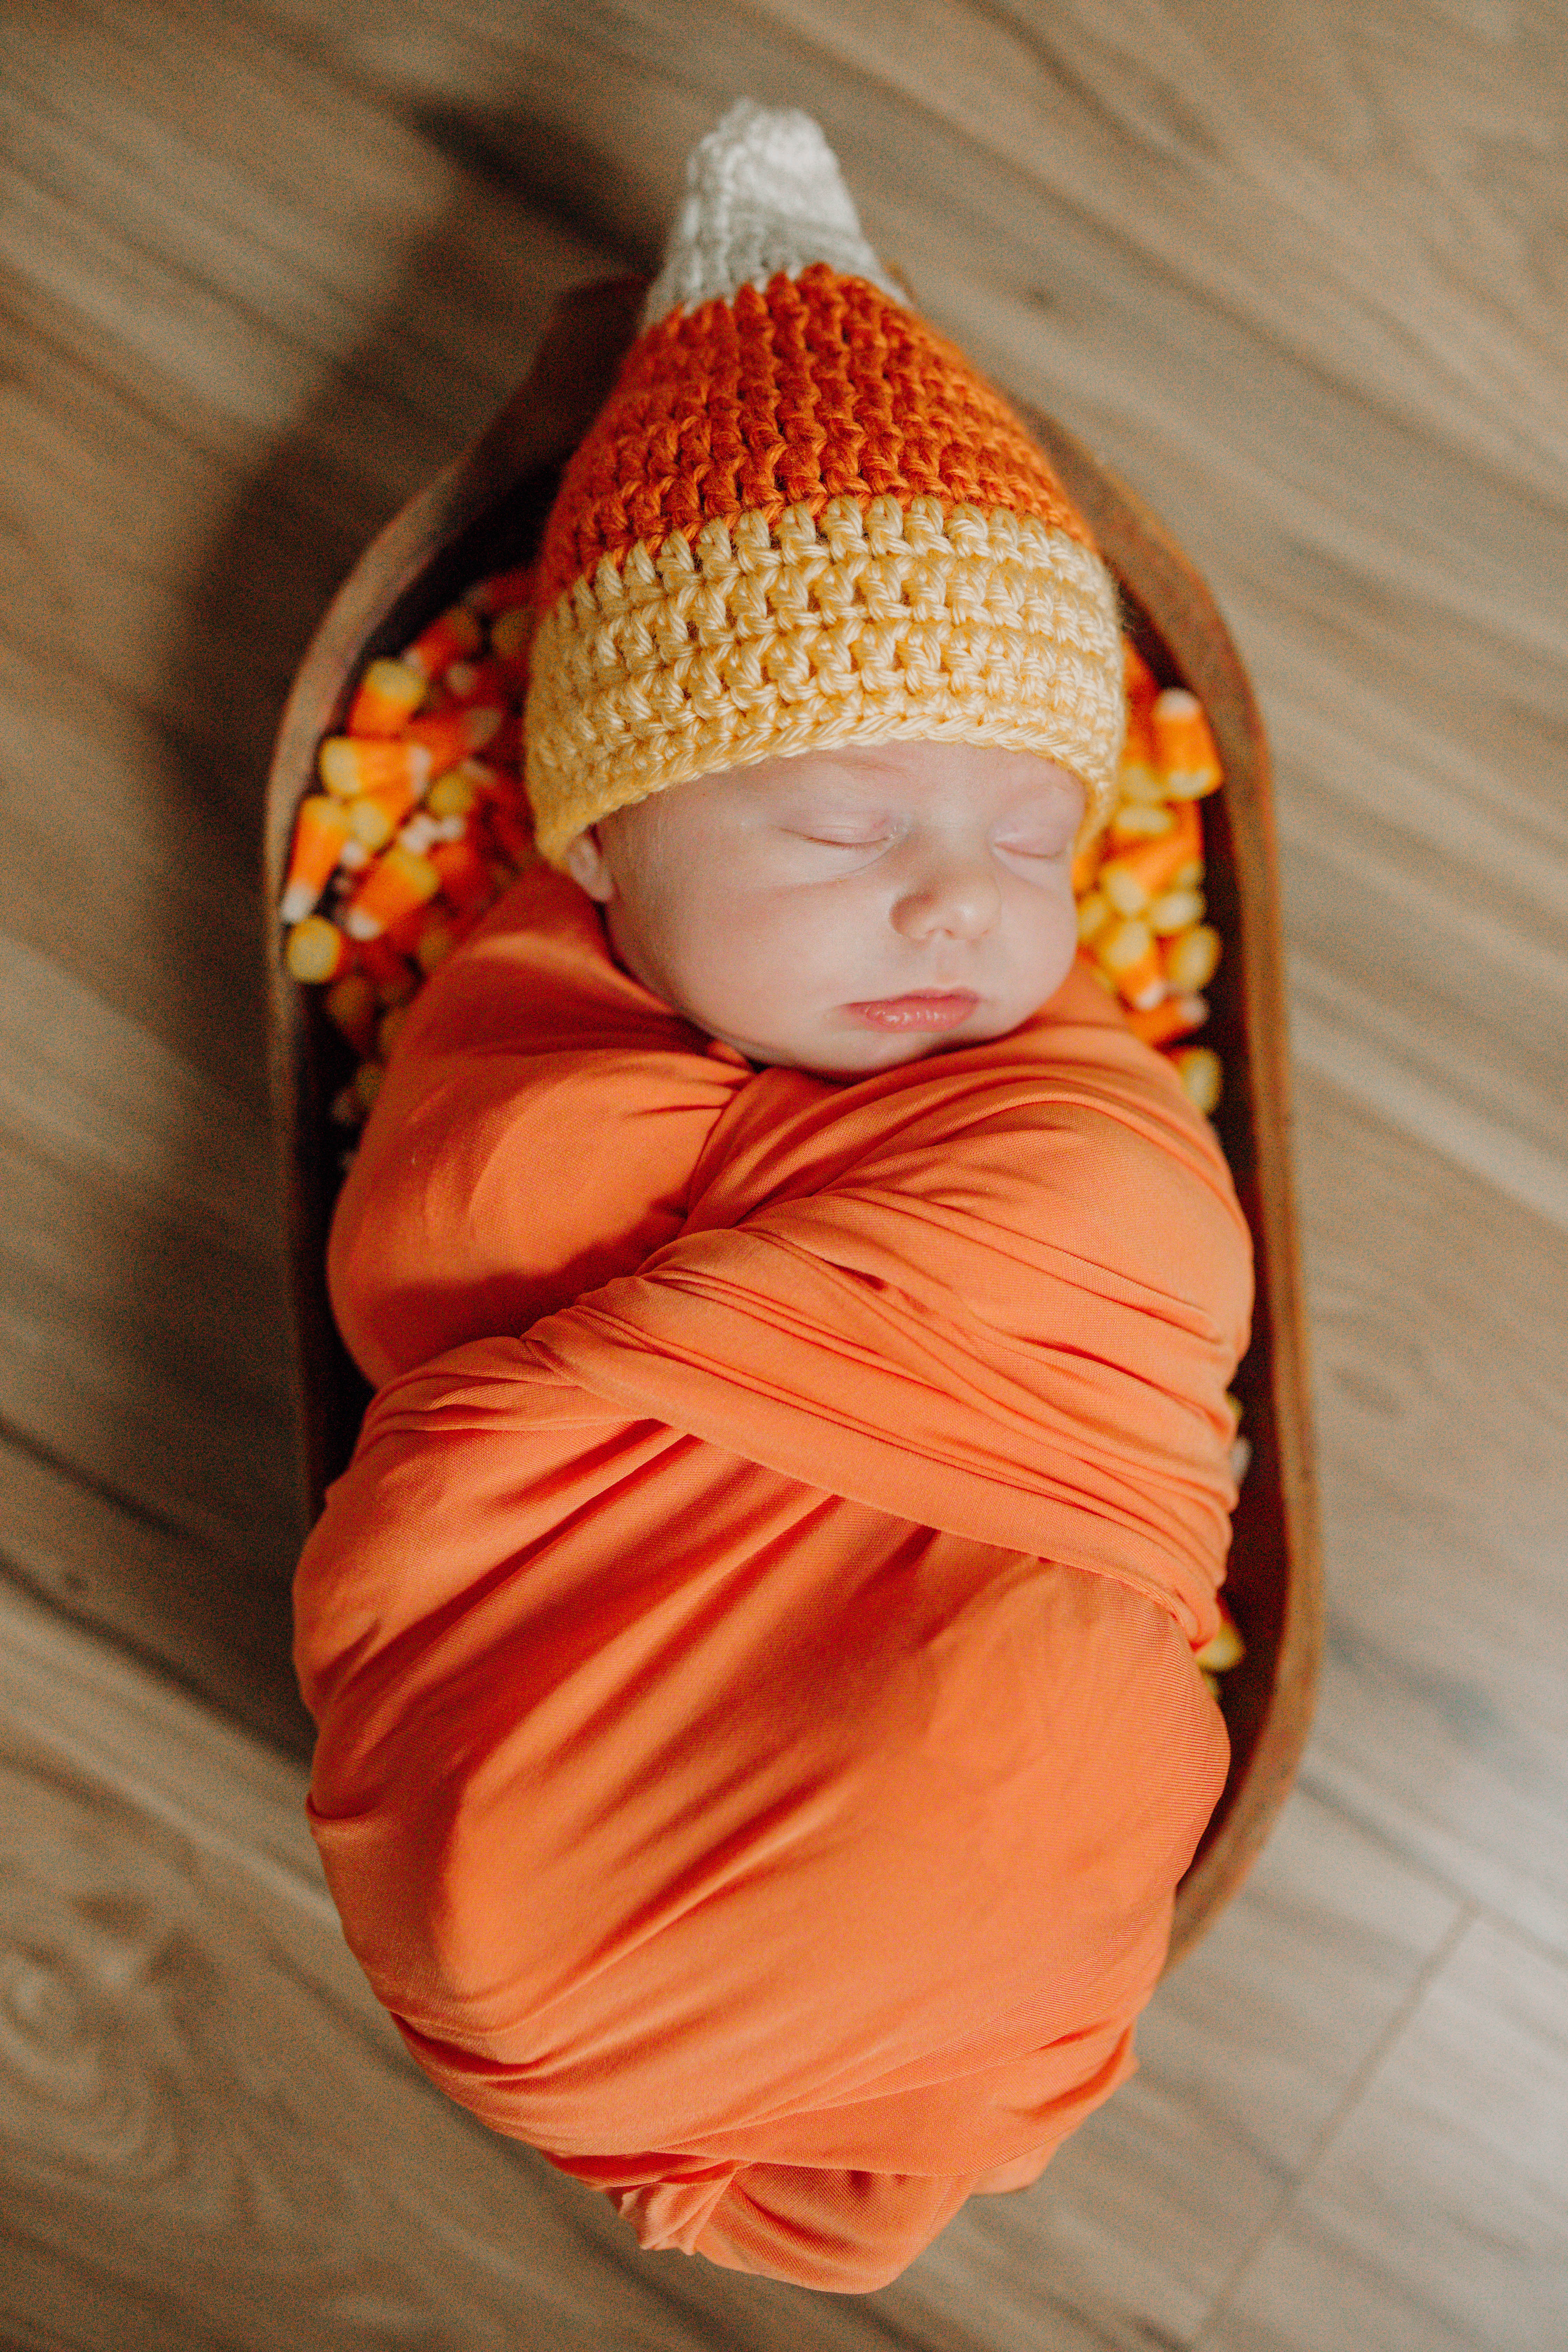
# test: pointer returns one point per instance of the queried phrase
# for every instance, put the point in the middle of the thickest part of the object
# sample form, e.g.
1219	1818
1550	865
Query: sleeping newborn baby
753	1644
845	911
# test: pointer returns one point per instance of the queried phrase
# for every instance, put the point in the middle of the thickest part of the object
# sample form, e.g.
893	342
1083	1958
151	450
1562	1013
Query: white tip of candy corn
297	902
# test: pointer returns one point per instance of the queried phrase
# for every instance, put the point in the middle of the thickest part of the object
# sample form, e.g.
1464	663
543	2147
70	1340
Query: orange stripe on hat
808	389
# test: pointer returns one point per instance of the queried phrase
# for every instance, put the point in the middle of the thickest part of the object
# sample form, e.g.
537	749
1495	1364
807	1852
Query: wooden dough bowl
484	513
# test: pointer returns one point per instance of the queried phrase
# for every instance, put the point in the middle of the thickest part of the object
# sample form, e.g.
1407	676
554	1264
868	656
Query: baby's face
771	905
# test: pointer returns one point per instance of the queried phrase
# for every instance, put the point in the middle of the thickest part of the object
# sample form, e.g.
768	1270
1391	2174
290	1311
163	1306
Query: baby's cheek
725	967
1042	941
768	958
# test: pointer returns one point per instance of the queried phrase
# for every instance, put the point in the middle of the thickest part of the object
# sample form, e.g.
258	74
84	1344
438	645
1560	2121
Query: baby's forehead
914	768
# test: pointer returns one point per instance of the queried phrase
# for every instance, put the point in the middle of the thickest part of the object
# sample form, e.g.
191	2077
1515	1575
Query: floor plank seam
1411	1855
143	1514
1355	2090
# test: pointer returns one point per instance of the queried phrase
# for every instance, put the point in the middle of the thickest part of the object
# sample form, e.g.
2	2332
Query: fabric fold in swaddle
758	1735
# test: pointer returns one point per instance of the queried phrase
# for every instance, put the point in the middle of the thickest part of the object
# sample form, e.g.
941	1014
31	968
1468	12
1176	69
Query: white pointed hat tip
763	193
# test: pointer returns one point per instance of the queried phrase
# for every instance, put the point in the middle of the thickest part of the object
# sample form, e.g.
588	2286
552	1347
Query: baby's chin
863	1053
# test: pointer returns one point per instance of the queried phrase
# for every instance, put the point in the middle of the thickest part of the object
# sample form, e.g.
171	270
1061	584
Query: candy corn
1191	960
321	830
1176	1017
1178	911
456	793
512	837
351	764
452	638
1142	684
465	877
402	936
399	881
316	949
352	1007
1139	821
1093	914
390	692
481	681
1184	747
1097	975
395	980
1142	871
505	746
1129	956
450	735
1223	1649
1085	866
376	814
388	1029
1138	775
435	944
1199	1074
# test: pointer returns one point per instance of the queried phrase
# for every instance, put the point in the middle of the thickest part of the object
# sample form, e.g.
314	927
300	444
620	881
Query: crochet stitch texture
803	520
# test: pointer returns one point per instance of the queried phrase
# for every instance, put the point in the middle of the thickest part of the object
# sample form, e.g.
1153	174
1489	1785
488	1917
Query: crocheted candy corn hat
802	520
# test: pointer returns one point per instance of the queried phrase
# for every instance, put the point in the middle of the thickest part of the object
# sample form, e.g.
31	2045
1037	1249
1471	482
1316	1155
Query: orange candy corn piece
435	946
453	637
449	736
352	1007
399	881
1142	684
1085	866
1201	1075
1177	1017
1223	1649
1183	745
376	814
469	682
1138	777
456	794
351	764
316	949
407	935
1134	876
320	829
1136	820
1129	955
389	692
465	883
388	970
1192	958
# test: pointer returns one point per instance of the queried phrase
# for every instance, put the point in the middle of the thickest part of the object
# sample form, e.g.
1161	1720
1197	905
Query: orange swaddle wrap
751	1645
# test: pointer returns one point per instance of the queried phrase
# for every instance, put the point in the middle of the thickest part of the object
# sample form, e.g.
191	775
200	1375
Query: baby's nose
956	894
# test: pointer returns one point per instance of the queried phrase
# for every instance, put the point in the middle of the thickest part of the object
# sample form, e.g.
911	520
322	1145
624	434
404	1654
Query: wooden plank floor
1297	274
